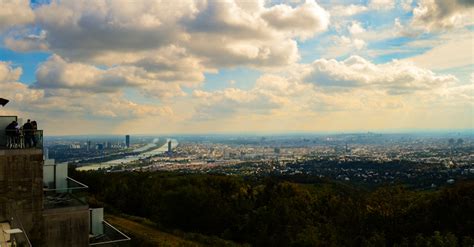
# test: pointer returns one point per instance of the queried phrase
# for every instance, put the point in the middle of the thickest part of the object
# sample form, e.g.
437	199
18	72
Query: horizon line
280	133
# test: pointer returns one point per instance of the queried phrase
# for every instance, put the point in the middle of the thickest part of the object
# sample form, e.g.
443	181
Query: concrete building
40	205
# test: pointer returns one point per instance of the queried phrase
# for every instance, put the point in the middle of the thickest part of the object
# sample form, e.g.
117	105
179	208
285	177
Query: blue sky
238	66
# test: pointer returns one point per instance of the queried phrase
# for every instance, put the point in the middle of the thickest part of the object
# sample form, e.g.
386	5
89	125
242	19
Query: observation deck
19	138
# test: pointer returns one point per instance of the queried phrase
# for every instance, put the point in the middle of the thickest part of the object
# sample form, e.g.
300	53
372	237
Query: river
131	158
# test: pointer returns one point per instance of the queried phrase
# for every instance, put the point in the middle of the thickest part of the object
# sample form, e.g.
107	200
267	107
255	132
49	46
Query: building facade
39	204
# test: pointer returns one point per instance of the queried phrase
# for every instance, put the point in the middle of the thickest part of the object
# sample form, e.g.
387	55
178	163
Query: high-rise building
100	146
169	147
38	204
127	141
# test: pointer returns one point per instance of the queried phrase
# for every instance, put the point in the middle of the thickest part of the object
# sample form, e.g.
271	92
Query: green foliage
275	212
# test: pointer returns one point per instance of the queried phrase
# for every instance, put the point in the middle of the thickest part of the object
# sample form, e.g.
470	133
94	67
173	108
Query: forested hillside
279	212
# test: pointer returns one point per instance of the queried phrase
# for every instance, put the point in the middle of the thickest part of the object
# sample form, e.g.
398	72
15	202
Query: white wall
97	217
61	176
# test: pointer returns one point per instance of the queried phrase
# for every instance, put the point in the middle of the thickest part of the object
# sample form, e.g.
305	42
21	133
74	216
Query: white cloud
84	29
107	53
347	10
450	50
44	103
224	34
406	5
356	28
8	73
351	89
232	101
435	15
57	73
382	4
28	42
217	33
395	77
15	12
343	45
160	76
303	21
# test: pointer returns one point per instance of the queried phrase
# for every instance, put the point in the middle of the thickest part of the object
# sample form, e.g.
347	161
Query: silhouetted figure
34	126
28	133
12	134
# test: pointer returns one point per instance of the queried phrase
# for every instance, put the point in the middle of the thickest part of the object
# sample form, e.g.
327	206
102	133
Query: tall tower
127	141
169	147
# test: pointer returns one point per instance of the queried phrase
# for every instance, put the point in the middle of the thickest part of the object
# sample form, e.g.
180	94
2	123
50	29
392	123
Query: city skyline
152	67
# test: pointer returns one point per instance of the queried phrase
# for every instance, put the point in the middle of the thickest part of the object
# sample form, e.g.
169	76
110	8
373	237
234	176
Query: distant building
127	141
46	153
100	146
169	147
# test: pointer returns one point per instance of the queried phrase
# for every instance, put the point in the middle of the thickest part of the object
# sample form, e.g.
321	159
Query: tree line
275	211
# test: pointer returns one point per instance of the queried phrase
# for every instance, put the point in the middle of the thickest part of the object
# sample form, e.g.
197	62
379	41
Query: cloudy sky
207	66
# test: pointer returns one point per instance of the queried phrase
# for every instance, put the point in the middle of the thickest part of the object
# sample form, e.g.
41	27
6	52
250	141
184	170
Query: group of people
24	136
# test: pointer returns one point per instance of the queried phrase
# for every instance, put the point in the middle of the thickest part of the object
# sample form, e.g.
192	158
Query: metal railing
17	239
21	139
111	237
73	194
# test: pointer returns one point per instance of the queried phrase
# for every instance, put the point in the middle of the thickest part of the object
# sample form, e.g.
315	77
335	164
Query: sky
238	66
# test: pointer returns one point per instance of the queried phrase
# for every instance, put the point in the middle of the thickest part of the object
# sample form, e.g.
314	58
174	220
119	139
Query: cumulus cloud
8	73
15	12
12	89
225	34
110	106
218	33
109	53
331	87
342	45
270	94
450	50
28	42
406	4
356	28
347	10
157	76
382	4
63	99
87	29
434	15
57	73
303	21
173	64
230	101
396	77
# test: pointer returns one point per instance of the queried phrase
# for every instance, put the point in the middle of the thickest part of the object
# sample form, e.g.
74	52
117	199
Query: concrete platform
4	235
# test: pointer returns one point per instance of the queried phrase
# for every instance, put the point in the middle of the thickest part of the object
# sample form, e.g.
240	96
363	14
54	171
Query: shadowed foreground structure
40	205
280	212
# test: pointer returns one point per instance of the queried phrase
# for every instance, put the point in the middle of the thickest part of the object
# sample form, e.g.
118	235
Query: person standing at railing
28	133
12	134
34	126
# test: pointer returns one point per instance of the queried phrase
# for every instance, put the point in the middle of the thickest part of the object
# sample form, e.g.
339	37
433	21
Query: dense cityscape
422	160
